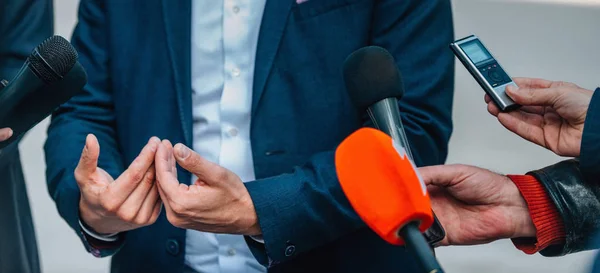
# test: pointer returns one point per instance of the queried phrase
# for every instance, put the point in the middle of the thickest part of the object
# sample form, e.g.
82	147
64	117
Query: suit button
290	250
173	247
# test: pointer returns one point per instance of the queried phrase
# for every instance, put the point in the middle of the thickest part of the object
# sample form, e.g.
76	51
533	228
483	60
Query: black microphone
50	76
375	85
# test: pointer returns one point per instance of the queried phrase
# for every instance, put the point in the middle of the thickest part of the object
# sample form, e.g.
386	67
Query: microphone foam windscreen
371	75
382	184
53	58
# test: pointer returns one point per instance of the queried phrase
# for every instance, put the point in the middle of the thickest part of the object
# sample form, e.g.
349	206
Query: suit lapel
272	27
177	16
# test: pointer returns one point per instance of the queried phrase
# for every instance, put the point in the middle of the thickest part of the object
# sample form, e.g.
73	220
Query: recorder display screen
476	52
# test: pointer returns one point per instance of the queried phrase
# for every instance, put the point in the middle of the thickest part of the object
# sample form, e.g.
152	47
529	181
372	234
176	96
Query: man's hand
476	206
217	202
5	133
110	206
552	116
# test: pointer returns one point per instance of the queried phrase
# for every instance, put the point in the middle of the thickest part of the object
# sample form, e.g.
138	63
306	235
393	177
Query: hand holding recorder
553	113
550	114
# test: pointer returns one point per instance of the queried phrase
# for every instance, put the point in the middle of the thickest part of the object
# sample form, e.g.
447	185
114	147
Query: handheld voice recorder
486	70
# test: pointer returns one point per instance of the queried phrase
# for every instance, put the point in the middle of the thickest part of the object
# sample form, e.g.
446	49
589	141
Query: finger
443	175
173	163
133	176
148	206
167	161
532	82
526	125
487	98
165	201
134	203
156	212
493	109
142	162
167	178
88	161
539	110
533	96
5	133
205	170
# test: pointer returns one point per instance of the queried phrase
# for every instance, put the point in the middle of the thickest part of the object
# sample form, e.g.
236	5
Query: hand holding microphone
477	206
50	76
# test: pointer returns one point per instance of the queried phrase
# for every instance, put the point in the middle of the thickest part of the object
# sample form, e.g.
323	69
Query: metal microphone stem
416	243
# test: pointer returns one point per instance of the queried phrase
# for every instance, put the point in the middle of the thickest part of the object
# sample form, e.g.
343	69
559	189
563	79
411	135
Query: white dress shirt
224	41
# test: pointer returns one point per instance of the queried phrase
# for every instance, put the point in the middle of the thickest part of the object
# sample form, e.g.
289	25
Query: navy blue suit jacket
137	55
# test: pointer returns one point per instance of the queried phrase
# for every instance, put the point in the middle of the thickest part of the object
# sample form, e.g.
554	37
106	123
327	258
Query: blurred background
552	39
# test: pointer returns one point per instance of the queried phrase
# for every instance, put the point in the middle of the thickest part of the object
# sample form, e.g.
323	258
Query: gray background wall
550	39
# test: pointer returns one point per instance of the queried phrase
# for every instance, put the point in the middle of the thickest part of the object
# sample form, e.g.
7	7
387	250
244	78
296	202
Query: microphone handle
27	100
416	243
386	117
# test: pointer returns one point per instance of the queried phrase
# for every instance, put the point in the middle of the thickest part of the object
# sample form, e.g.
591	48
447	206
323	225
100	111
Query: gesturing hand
110	206
217	202
552	116
5	133
476	206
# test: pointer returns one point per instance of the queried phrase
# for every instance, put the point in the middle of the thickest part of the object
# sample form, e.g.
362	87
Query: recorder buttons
495	76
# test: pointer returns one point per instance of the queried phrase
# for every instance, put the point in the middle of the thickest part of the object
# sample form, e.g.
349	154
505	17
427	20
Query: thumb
444	176
205	170
5	133
89	156
529	96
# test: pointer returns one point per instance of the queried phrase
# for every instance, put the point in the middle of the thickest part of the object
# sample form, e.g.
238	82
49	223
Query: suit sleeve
91	112
307	208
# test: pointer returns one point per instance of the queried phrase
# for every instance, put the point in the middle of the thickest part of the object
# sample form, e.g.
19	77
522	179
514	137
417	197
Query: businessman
23	25
251	96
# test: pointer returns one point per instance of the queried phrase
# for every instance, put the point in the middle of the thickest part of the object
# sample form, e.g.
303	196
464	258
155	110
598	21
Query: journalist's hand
552	116
476	206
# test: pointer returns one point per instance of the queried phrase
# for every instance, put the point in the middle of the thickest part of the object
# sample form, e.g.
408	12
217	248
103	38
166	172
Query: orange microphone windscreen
382	184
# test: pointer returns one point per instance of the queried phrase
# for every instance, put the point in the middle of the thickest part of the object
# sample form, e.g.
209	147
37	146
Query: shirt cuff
258	238
549	226
102	237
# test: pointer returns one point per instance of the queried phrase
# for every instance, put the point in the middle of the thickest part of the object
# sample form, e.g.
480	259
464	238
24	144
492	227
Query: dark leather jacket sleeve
577	201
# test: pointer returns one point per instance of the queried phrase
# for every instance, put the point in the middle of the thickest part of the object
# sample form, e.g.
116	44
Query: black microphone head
53	59
371	75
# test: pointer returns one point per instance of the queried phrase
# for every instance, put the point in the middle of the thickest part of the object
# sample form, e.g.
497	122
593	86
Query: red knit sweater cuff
546	219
